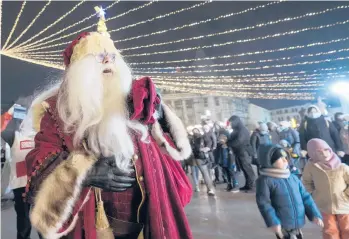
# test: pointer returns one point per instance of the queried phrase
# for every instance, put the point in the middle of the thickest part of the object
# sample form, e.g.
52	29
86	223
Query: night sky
20	78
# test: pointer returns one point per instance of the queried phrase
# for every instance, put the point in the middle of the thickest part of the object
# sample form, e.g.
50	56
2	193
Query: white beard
92	105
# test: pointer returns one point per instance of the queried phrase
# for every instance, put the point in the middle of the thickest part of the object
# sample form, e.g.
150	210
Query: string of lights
34	47
195	24
244	53
246	86
259	25
15	24
259	67
320	78
30	24
247	62
254	95
161	16
292	32
37	62
52	24
70	26
314	44
329	71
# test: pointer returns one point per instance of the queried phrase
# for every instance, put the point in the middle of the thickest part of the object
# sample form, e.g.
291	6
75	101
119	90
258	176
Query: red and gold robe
56	170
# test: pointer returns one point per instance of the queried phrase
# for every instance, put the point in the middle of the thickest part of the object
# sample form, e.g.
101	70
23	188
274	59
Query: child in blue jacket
281	197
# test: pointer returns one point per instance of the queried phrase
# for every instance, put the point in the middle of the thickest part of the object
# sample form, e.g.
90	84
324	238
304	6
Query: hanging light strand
52	24
30	24
247	62
42	63
292	32
297	79
160	16
242	54
15	24
259	67
254	95
35	47
247	86
195	24
238	88
337	72
68	27
259	25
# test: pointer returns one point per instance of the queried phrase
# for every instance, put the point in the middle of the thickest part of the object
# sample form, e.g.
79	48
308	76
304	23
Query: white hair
93	106
26	126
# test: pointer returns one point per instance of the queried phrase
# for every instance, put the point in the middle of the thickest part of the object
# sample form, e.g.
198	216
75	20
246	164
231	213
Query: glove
107	176
340	154
304	153
277	230
318	222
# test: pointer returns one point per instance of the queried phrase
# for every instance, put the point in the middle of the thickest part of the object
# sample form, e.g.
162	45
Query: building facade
288	113
193	108
257	114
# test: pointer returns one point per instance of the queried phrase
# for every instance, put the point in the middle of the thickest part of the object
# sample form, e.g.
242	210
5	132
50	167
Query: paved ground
227	216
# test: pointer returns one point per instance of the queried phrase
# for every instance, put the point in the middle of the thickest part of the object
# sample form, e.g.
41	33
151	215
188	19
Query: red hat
68	52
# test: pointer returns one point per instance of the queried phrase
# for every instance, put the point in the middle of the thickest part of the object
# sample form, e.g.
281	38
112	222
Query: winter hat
263	127
314	145
285	124
90	42
272	125
284	143
278	153
313	106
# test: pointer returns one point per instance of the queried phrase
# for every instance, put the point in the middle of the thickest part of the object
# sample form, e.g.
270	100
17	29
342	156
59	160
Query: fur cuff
178	133
58	195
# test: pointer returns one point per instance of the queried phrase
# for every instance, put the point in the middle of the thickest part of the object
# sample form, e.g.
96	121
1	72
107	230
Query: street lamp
341	89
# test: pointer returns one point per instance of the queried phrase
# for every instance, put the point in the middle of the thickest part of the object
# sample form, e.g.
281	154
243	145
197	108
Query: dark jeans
219	173
22	210
231	177
244	160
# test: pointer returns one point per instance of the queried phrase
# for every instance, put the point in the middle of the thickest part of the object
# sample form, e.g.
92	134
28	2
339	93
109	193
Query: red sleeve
5	119
46	155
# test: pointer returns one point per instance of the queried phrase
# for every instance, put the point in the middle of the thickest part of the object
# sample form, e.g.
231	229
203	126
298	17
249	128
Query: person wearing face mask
327	179
210	142
226	160
339	121
275	138
290	135
201	162
281	197
344	135
316	126
239	141
259	137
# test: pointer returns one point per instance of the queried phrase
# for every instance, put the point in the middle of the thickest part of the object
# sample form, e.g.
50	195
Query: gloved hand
107	176
340	154
304	153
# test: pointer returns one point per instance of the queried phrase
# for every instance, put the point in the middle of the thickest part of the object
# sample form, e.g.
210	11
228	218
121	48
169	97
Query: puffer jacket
330	188
283	201
292	137
322	129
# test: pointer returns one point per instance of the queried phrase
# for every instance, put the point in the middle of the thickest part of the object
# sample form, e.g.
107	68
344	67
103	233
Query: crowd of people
302	172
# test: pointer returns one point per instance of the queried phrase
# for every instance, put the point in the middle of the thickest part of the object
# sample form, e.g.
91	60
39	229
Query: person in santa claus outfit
104	164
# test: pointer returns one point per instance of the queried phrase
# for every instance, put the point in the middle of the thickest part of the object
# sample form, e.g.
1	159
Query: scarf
315	145
275	172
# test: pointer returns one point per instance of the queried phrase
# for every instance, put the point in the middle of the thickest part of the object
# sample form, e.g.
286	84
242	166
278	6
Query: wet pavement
226	216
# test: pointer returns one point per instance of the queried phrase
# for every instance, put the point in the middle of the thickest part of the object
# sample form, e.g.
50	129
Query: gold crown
101	26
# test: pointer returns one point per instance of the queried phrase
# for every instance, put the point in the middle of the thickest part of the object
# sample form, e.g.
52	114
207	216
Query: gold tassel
102	224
